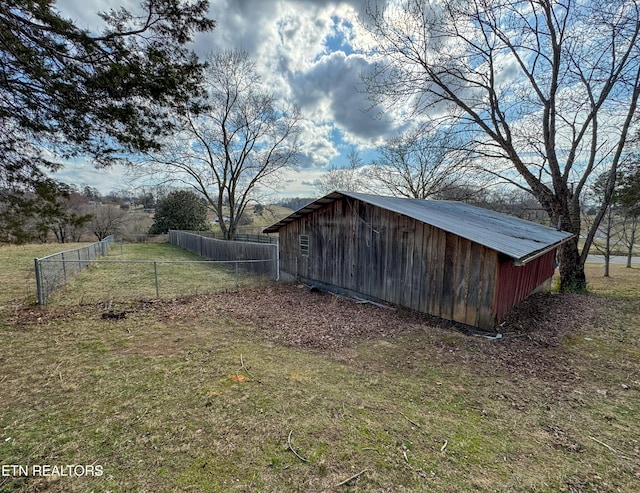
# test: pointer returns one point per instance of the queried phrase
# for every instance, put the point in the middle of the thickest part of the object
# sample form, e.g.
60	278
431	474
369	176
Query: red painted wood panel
516	283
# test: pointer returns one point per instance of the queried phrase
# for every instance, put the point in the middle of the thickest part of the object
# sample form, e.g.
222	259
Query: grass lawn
181	396
124	279
16	275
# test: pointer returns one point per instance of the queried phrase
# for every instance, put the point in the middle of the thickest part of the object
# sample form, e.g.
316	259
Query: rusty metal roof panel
522	240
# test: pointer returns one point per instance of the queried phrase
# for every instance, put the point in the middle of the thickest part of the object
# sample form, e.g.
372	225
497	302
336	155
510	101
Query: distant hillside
295	203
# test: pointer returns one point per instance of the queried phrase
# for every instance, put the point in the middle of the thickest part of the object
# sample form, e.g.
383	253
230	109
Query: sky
310	52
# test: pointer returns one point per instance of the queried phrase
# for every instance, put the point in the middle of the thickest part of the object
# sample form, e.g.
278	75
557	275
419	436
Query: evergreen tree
65	91
181	209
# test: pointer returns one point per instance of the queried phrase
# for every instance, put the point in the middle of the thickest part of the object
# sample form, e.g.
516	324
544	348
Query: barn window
304	245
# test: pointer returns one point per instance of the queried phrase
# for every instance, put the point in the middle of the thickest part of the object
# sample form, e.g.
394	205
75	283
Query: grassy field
182	397
129	276
257	222
16	275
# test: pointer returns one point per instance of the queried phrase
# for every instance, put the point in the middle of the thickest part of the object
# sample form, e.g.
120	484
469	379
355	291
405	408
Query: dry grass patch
621	283
130	274
279	389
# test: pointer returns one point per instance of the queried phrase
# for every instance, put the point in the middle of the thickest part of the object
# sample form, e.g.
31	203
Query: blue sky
310	52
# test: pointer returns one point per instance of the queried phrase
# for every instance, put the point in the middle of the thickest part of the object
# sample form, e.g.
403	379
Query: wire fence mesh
138	271
54	271
126	280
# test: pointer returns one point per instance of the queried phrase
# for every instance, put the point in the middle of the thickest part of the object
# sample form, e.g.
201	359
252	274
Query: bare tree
547	90
609	232
628	198
107	220
510	200
244	140
630	232
345	179
423	165
72	219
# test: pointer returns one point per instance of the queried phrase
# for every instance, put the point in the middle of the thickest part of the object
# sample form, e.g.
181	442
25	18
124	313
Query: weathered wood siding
390	257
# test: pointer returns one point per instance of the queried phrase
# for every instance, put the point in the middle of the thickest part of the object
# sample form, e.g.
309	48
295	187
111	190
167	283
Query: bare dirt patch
537	333
533	342
534	338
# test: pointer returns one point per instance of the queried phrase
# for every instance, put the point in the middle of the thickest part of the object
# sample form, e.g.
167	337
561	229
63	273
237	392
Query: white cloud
310	52
318	149
82	173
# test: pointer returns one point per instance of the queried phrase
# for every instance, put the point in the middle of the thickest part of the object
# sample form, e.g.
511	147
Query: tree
107	220
422	165
609	225
69	217
295	203
628	198
244	140
65	91
547	92
181	209
347	179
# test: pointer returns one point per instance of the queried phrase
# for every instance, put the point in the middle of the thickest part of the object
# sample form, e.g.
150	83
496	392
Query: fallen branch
244	367
444	446
355	476
611	448
293	450
361	301
604	444
412	422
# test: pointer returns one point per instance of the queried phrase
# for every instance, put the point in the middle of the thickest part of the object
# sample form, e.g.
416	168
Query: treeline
513	202
56	211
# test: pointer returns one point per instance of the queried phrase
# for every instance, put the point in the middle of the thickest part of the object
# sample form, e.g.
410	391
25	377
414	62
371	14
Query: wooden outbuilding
448	259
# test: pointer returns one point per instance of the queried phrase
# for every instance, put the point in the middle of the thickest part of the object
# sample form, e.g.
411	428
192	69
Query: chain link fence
54	271
155	270
127	279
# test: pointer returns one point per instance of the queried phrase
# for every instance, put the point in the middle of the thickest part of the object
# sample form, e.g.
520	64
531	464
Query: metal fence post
39	287
64	268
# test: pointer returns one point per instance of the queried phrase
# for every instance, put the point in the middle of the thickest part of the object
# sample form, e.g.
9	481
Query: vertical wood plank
449	271
475	269
461	280
486	317
438	251
427	272
418	270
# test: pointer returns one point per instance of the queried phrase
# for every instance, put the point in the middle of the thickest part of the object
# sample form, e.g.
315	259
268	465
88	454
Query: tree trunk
607	246
632	240
572	277
566	217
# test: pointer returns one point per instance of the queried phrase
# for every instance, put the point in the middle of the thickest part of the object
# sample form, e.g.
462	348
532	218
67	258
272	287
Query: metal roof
519	239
